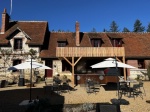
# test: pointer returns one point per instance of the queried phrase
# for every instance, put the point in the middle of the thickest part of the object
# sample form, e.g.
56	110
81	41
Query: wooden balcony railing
90	51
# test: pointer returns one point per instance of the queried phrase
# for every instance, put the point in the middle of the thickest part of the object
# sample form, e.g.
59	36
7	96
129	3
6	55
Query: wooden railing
90	51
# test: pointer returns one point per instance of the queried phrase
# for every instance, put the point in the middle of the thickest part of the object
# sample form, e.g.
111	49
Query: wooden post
73	82
72	64
124	70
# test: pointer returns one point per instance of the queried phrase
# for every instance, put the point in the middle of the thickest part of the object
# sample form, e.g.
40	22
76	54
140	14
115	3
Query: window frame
61	43
18	44
116	42
96	42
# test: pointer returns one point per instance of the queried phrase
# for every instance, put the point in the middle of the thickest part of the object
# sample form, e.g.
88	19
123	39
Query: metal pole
117	77
30	81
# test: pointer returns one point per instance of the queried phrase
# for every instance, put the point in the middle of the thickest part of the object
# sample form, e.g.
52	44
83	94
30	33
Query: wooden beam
72	65
67	61
77	61
124	70
73	82
118	59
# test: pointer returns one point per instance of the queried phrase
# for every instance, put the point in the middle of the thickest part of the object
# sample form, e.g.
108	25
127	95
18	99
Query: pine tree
138	26
125	29
114	27
148	28
93	30
104	30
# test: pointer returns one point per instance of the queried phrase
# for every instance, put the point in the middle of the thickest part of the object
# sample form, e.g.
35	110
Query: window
117	42
62	43
17	44
96	42
141	64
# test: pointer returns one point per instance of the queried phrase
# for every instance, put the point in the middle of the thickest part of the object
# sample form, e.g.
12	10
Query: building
72	53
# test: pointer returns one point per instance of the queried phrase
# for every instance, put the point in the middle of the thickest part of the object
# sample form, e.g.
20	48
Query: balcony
90	51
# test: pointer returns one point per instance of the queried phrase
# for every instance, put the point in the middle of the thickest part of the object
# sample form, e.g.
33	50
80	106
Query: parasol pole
117	76
30	81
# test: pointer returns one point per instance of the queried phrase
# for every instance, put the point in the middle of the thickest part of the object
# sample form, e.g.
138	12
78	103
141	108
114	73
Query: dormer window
116	42
62	43
17	44
141	64
96	42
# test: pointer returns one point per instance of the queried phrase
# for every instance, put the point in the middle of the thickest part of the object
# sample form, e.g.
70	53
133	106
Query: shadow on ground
10	99
120	101
110	87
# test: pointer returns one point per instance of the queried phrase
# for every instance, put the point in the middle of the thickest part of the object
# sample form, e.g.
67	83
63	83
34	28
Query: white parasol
111	62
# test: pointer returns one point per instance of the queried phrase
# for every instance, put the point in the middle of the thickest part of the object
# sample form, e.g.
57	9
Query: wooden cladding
90	51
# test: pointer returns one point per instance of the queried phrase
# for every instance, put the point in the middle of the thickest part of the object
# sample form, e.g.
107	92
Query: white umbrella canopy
111	62
27	65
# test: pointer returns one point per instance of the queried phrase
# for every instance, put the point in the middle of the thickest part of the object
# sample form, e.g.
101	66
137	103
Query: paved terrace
10	97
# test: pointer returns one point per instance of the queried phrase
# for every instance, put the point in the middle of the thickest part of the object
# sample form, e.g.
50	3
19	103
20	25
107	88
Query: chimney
5	21
77	34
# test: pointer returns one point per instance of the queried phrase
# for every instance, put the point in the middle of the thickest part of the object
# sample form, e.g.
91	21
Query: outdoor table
129	84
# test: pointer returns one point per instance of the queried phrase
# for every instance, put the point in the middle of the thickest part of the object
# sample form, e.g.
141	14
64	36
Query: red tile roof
136	44
54	37
35	30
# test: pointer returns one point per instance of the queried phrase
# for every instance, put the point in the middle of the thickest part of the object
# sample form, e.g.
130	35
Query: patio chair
141	84
56	87
123	88
65	86
91	87
48	84
135	90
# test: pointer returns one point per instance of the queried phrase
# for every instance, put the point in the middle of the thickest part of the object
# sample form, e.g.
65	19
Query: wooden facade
81	52
90	51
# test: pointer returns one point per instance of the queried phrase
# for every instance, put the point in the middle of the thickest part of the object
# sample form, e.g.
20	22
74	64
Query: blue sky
98	14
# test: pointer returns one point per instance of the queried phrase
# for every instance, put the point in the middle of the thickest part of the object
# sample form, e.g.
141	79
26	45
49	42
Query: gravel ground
12	96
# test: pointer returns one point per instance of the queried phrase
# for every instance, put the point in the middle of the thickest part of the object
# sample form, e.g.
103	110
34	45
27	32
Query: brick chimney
5	21
77	34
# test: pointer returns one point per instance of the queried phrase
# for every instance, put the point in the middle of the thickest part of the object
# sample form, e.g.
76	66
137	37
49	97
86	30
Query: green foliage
93	30
125	30
32	52
6	51
114	27
104	30
148	71
138	26
148	28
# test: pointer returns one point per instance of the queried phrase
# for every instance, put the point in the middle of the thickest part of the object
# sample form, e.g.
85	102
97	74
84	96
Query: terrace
12	96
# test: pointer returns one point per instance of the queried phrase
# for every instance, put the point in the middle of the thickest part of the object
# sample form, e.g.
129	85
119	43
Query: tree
93	30
104	30
114	27
138	26
125	29
148	28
